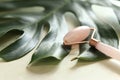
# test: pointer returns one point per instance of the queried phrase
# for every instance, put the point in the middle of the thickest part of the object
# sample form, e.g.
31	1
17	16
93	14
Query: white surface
66	70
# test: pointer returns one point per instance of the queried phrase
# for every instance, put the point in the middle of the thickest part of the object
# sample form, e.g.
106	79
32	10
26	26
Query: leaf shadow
81	64
44	66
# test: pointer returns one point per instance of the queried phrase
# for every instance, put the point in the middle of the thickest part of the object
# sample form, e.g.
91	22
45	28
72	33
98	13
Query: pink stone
77	35
106	49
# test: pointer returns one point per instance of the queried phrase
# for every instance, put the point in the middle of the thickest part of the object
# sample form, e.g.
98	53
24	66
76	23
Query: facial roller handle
106	49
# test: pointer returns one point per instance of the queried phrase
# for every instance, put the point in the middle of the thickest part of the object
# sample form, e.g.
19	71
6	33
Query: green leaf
25	16
31	24
23	44
51	45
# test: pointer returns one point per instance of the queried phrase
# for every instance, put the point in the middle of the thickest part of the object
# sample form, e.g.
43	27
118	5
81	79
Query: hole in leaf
44	31
10	37
72	20
32	9
30	14
46	27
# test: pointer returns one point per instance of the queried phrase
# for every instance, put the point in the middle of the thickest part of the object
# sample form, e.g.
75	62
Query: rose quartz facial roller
76	36
106	49
79	34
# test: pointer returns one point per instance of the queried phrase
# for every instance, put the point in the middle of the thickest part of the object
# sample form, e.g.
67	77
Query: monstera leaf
26	17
